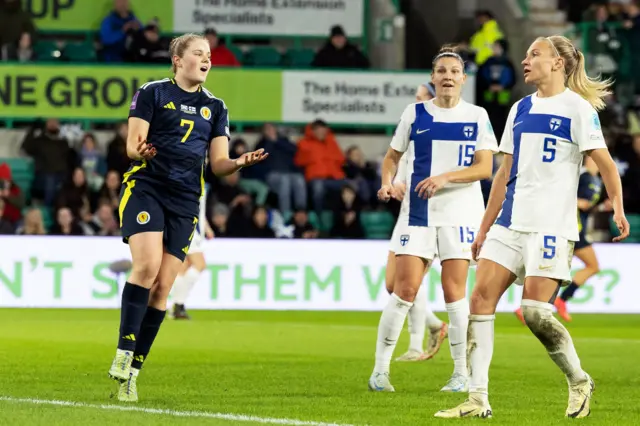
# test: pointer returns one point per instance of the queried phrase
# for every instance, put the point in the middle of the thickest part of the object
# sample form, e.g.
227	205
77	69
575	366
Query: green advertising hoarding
104	92
86	15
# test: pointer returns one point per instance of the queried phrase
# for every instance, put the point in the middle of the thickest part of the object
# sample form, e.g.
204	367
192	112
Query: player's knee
480	302
159	294
145	272
406	290
595	268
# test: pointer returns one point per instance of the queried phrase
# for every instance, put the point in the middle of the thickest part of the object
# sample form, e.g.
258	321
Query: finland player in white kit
546	135
450	145
194	263
420	316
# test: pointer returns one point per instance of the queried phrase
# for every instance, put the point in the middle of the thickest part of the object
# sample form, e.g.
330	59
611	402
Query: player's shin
417	321
480	352
458	325
389	329
555	338
134	306
148	332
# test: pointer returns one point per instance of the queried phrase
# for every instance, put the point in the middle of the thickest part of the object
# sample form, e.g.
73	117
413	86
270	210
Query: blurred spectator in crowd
346	219
631	179
92	162
219	217
362	174
495	80
221	56
6	227
32	223
103	223
251	178
259	226
65	224
301	226
339	53
117	158
468	55
16	26
110	192
52	159
603	42
22	51
114	30
75	193
632	30
283	176
322	160
488	33
229	192
11	195
148	46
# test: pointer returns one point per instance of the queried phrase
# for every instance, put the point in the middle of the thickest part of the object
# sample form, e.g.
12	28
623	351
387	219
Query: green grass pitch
307	366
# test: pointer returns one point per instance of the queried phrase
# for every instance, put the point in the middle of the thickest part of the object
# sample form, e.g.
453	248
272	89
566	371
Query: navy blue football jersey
589	188
181	127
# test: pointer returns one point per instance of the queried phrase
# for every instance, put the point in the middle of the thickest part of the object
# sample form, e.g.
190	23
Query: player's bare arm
389	169
222	165
137	146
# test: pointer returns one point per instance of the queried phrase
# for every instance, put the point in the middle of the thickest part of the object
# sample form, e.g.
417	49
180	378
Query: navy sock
148	332
568	292
135	299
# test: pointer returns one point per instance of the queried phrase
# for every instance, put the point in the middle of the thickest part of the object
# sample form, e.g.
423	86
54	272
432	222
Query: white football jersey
439	140
547	137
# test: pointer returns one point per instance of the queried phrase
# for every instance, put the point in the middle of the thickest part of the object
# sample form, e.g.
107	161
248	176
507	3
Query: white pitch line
174	413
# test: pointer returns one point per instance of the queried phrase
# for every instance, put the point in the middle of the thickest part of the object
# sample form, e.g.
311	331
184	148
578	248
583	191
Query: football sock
569	291
389	329
458	326
134	305
148	332
480	343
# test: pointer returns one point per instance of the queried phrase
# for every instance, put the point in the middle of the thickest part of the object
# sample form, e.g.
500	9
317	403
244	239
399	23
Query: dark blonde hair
593	90
180	44
448	51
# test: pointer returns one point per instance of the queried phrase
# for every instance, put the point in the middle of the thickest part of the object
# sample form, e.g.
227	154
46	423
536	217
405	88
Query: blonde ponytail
593	90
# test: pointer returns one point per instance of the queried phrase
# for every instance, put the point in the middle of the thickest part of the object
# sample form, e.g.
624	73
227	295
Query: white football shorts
446	242
197	243
529	254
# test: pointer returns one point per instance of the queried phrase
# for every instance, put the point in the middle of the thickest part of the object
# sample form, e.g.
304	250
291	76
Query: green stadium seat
314	220
263	57
634	223
237	52
300	58
80	52
377	225
47	50
326	221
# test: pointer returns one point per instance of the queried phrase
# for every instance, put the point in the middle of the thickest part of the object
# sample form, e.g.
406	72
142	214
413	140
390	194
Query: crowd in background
79	185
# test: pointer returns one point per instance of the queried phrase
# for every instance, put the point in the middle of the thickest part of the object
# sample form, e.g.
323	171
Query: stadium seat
326	221
300	58
377	225
263	57
47	50
237	52
80	52
634	223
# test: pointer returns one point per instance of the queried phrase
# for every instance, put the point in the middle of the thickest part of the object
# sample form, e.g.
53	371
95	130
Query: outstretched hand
145	150
251	158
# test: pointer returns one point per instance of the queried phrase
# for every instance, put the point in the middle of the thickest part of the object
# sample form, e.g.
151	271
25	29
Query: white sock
417	321
178	292
389	329
555	337
183	284
432	321
458	326
480	341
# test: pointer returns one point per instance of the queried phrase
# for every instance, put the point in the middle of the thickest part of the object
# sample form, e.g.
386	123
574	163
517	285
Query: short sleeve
586	129
221	124
401	174
142	104
486	137
400	140
506	143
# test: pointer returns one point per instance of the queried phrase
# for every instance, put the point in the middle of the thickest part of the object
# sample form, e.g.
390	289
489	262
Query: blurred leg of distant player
591	267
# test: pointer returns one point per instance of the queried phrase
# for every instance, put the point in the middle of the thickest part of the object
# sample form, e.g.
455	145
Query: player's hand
208	233
145	150
385	193
477	244
427	188
623	226
398	191
250	158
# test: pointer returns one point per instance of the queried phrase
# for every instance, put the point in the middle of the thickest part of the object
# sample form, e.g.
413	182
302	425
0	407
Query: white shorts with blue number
427	242
529	254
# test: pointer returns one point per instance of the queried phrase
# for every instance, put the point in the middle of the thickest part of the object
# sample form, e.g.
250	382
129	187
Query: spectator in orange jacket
221	56
321	158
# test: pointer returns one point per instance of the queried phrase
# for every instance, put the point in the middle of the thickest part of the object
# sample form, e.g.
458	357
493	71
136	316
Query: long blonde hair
33	224
593	90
